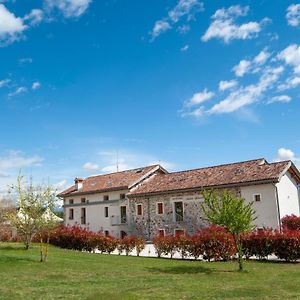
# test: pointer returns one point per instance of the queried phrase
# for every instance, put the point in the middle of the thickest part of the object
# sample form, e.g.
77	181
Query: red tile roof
253	171
108	182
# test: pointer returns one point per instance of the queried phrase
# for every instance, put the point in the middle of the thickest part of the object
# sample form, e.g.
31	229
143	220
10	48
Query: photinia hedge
291	222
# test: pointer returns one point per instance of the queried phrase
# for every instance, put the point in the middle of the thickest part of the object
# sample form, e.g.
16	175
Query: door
178	210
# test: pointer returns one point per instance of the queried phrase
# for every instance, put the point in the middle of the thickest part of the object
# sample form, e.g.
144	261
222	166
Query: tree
33	217
226	209
6	206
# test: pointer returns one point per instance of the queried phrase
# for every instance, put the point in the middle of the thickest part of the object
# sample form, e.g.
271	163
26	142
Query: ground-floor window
71	214
106	233
122	234
178	232
161	232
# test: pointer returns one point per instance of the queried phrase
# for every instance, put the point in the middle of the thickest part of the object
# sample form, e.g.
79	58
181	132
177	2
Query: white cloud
224	27
11	27
261	58
290	83
20	90
287	154
25	60
293	15
159	27
199	98
16	160
91	166
69	8
184	8
291	56
281	98
242	68
4	82
35	17
185	48
226	85
247	95
60	186
36	85
183	29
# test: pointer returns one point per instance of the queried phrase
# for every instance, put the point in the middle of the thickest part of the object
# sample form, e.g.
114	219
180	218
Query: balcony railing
118	220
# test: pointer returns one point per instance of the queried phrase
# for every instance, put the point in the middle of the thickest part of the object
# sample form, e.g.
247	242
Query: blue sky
183	82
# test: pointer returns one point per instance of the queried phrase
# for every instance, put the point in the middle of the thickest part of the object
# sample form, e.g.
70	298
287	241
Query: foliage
259	243
140	245
291	222
227	210
6	207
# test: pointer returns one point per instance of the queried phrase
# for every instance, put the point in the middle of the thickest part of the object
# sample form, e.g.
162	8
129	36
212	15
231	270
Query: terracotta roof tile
229	174
107	182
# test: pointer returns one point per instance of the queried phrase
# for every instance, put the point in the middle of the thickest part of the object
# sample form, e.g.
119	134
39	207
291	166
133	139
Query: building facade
150	201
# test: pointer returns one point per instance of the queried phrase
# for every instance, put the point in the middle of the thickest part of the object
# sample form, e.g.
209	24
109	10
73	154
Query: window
71	214
83	200
71	201
139	209
123	234
161	232
106	211
160	208
257	198
123	215
83	216
178	211
122	196
105	197
178	232
106	233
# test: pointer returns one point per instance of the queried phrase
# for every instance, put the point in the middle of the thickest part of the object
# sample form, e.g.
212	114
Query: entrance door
123	214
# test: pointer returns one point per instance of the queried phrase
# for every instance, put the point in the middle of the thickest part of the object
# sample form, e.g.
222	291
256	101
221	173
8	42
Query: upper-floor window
105	197
122	196
83	215
160	208
71	201
71	214
83	200
106	211
178	211
257	197
139	209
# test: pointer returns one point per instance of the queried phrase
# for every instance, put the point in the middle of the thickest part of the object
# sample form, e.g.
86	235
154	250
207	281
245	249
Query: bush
140	244
287	245
183	244
196	248
259	243
166	245
106	244
217	243
291	222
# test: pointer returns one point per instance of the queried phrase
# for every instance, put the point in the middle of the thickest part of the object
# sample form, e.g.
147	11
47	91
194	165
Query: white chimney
78	183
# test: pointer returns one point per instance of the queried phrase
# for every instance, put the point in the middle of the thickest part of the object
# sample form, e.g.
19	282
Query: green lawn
74	275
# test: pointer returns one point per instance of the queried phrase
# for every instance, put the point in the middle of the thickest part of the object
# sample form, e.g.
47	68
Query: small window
161	232
160	208
83	216
71	201
178	232
139	209
106	211
106	233
122	196
83	200
71	214
105	197
257	198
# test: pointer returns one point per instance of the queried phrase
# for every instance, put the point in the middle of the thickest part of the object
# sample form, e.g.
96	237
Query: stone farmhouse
150	201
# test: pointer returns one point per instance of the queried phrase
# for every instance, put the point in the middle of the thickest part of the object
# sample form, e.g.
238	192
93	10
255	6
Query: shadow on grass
14	248
189	270
13	259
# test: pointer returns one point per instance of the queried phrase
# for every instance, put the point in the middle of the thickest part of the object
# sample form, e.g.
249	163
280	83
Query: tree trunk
47	247
240	251
41	249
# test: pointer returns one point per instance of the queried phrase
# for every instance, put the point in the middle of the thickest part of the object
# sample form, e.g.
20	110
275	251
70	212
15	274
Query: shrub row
215	243
291	222
76	238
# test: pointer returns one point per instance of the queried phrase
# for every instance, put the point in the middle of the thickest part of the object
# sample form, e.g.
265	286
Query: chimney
78	183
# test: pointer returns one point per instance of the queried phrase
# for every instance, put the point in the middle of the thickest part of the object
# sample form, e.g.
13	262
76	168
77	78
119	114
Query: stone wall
150	222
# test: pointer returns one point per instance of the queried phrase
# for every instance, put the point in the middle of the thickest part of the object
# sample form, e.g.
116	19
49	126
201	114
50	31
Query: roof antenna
117	161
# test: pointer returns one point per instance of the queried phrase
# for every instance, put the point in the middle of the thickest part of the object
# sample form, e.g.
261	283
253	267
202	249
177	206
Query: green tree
33	217
226	209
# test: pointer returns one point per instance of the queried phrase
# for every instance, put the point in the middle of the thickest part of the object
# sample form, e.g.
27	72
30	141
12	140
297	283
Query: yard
73	275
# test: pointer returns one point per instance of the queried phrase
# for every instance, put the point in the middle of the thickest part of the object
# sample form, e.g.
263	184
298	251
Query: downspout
277	204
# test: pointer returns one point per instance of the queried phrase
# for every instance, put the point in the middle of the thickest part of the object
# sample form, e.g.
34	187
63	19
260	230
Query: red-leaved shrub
259	243
287	245
291	222
166	245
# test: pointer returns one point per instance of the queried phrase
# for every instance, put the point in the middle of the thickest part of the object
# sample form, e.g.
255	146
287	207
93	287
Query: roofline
221	165
254	182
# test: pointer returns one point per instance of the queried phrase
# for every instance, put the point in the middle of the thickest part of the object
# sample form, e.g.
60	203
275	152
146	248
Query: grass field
74	275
